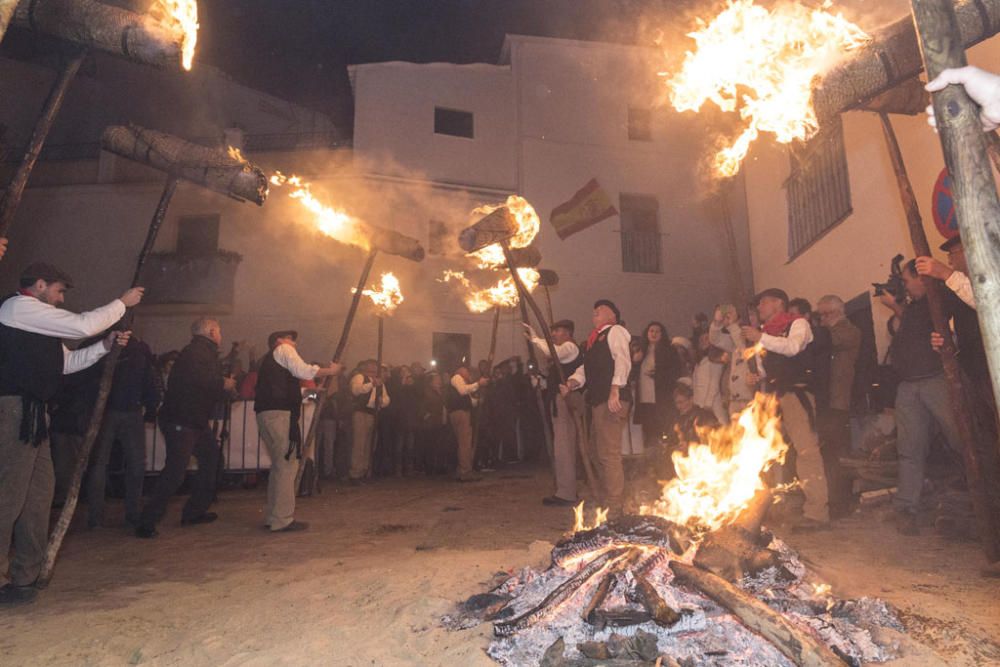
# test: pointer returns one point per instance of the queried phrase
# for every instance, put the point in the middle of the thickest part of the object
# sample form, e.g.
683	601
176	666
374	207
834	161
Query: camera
894	285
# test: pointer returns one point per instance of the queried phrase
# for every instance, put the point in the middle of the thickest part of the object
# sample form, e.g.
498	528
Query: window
198	235
640	233
453	122
819	191
451	350
640	124
437	242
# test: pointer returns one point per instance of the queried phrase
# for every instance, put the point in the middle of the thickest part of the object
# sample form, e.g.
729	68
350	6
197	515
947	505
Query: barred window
641	245
819	190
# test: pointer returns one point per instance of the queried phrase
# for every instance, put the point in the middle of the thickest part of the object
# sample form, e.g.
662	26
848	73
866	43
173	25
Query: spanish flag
587	207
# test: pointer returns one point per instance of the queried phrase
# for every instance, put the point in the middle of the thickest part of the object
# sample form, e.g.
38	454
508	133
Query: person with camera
922	399
785	336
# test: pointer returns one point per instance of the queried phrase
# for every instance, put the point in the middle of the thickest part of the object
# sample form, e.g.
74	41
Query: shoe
207	517
469	478
11	595
556	501
146	532
906	523
293	527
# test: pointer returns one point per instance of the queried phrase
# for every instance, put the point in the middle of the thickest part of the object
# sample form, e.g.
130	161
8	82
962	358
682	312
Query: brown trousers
608	429
461	423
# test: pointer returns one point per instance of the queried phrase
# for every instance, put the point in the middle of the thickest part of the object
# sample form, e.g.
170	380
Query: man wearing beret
278	404
33	360
603	376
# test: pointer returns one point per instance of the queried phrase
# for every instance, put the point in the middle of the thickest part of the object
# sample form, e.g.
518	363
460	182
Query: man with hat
367	391
564	431
955	276
607	362
278	404
785	336
33	360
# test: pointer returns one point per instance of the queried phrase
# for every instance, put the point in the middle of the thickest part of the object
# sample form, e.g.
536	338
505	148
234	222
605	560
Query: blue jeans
127	427
920	405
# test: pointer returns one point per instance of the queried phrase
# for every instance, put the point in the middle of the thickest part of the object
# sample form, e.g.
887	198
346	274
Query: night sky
295	48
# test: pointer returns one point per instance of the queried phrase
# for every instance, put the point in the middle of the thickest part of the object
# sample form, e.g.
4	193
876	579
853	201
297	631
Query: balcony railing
641	252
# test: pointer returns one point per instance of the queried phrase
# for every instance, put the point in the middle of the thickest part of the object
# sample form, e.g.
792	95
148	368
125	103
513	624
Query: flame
181	16
762	63
387	297
235	154
332	222
528	224
754	351
501	295
579	523
717	479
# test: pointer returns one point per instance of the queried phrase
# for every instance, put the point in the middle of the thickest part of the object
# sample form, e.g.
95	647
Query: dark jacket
136	383
195	385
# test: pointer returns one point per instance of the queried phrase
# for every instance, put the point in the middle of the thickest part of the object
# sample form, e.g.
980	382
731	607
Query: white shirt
29	314
288	358
565	352
361	385
960	284
465	388
799	336
618	340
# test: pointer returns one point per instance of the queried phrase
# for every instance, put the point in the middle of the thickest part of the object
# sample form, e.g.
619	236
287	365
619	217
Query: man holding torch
564	433
278	404
607	363
368	391
33	360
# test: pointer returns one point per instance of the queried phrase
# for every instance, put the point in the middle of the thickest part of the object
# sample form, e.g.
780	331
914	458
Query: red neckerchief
592	338
777	325
25	292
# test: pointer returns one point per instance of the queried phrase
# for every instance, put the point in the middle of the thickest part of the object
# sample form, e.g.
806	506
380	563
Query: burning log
498	226
734	550
91	24
212	168
601	592
624	531
893	56
798	645
392	242
526	258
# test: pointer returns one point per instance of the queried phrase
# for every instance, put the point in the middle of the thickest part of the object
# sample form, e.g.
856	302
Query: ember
762	63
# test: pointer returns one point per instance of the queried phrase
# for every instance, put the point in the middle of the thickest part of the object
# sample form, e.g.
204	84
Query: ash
706	634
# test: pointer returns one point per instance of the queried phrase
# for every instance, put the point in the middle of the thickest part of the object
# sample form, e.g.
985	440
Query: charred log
624	531
528	257
92	24
739	549
798	645
498	226
548	278
212	168
893	56
647	595
393	243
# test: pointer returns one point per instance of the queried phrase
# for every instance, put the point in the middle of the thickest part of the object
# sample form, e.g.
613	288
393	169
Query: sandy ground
367	584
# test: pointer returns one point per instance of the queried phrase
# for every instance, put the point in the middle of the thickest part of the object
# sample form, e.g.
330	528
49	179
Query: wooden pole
309	444
378	393
15	189
802	647
977	207
548	303
726	218
97	416
493	337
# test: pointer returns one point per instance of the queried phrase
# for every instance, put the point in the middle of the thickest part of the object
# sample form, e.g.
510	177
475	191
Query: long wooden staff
526	298
309	445
97	415
977	208
376	441
15	189
935	300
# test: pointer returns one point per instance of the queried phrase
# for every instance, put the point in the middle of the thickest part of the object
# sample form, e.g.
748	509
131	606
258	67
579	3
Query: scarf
777	325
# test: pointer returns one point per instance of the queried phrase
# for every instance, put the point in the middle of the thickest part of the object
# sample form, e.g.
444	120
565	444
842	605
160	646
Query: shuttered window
818	188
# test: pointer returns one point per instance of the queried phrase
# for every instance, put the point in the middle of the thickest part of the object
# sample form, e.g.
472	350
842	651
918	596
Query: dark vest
277	388
31	364
361	402
455	401
599	366
784	373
